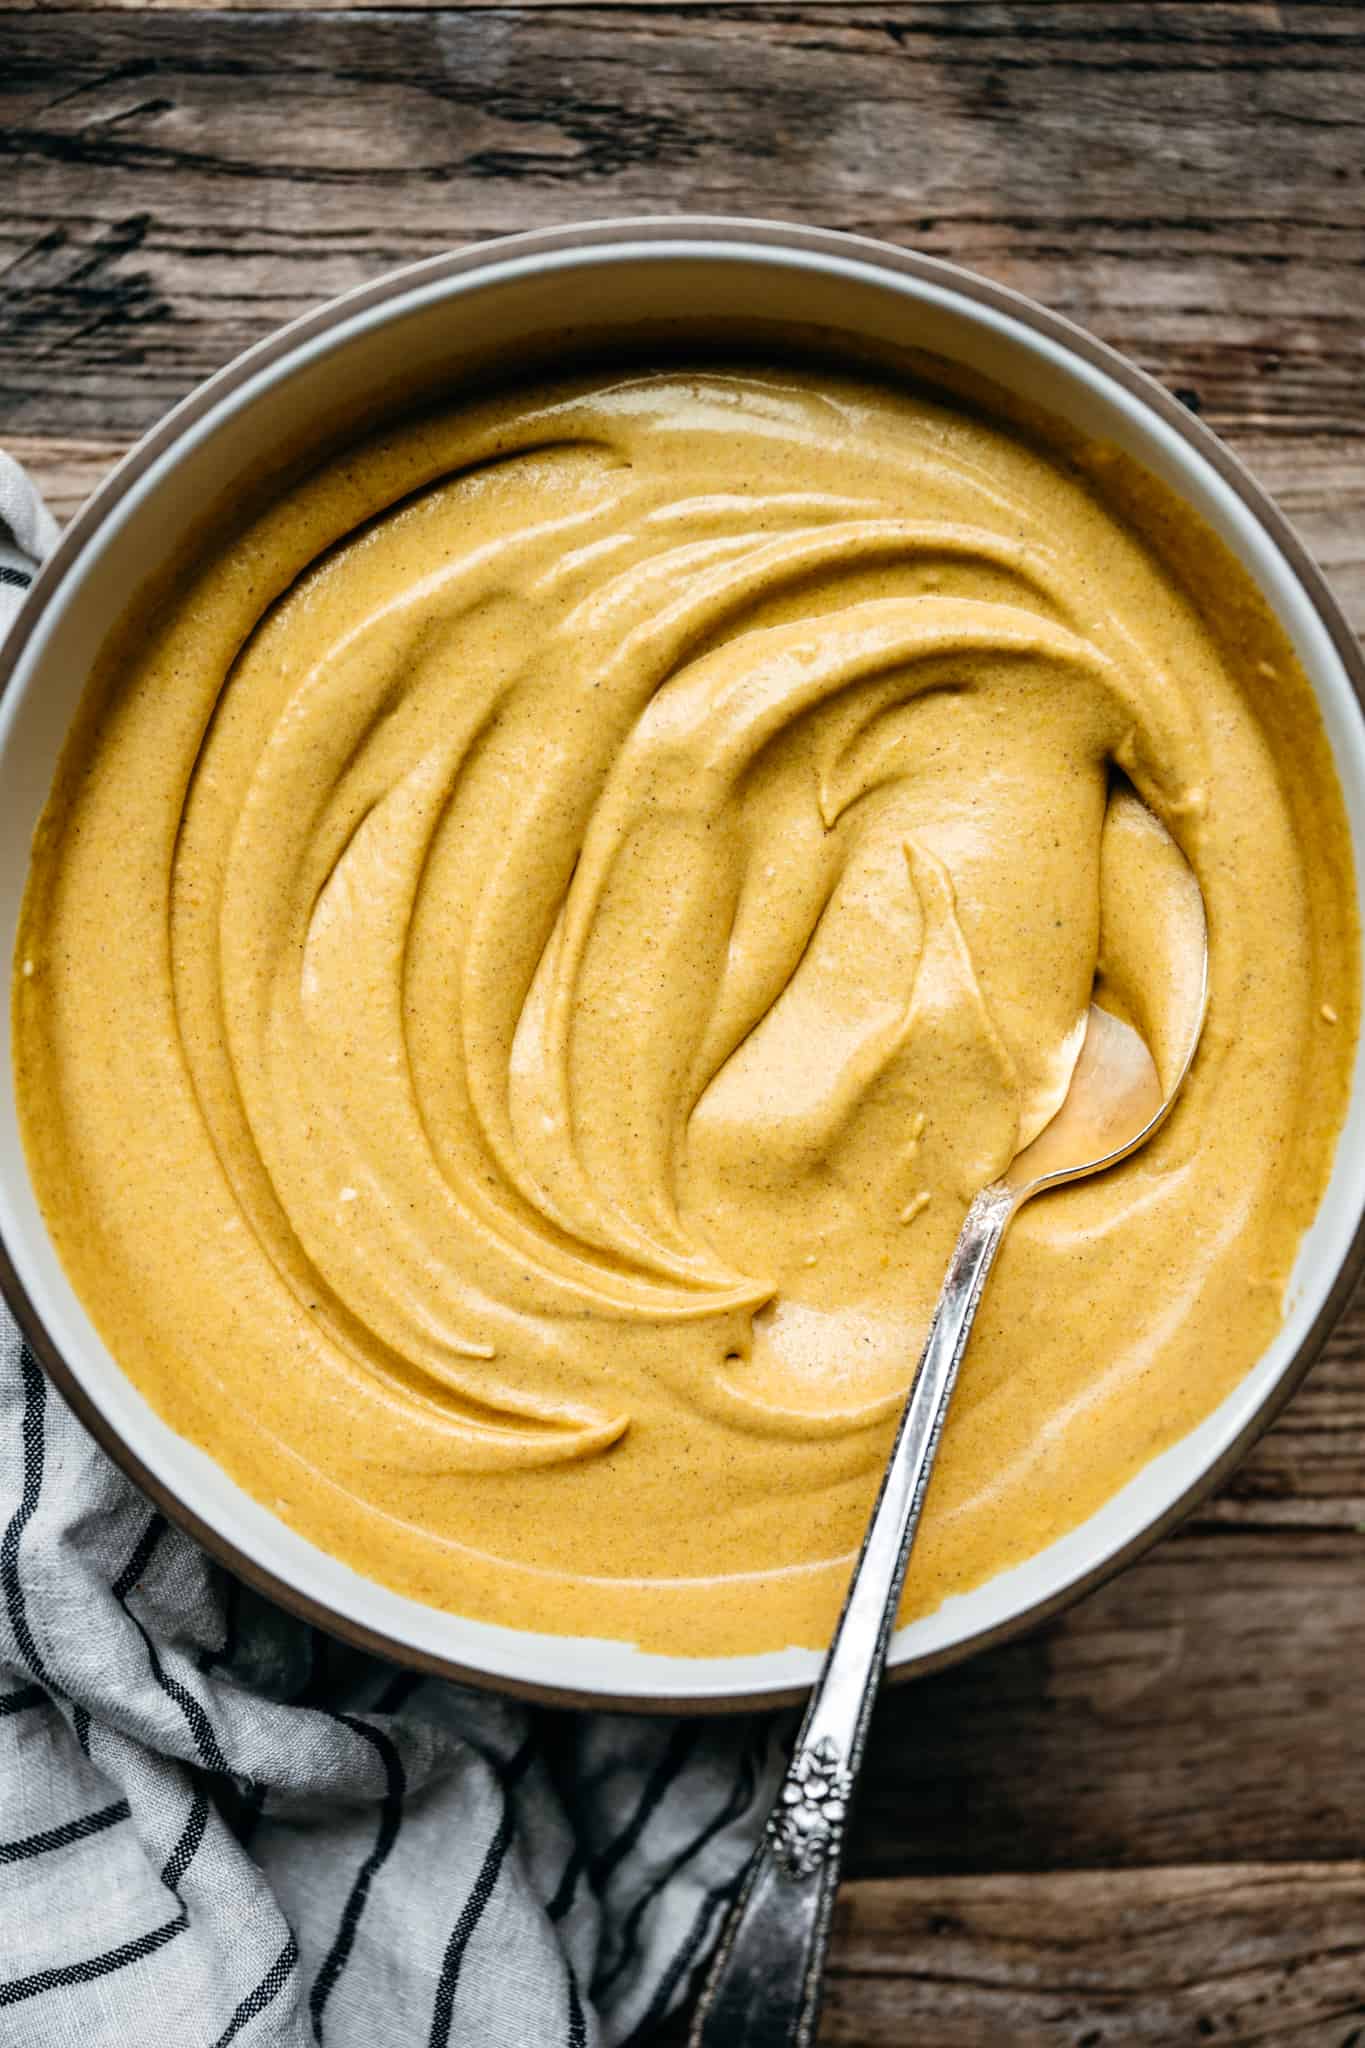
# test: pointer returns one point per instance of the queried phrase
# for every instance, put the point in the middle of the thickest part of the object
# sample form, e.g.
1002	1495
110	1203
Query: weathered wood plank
65	471
1185	179
1255	1954
1320	482
357	6
1203	1707
1309	1471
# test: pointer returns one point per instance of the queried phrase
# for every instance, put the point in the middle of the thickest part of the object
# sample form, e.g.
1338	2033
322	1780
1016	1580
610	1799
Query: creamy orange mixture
533	948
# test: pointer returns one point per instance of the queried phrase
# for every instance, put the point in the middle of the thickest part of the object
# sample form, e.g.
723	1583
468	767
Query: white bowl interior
448	328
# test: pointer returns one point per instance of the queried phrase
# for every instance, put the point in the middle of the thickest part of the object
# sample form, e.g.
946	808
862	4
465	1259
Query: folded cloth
218	1824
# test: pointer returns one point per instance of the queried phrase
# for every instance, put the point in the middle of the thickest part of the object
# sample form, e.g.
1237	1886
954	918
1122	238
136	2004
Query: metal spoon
764	1988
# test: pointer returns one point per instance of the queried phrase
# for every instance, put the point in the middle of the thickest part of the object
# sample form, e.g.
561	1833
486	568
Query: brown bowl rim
744	232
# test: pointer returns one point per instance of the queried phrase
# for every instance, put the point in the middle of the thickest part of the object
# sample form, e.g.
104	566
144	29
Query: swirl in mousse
537	938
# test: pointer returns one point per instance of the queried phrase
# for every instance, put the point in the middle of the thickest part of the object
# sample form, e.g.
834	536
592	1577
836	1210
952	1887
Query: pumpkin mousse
537	938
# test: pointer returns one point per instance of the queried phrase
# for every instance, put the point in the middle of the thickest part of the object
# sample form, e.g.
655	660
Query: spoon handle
764	1987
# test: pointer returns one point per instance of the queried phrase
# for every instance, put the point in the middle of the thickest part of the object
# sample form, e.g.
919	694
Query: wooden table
1146	1823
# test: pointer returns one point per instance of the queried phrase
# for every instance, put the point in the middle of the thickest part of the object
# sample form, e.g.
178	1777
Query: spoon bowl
1154	970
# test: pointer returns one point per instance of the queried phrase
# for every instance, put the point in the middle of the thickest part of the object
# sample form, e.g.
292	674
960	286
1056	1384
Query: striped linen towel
219	1825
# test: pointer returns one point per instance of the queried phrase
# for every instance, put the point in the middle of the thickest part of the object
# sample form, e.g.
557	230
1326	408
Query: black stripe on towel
196	1720
736	1801
19	1702
578	2026
92	1967
140	1557
17	579
719	1897
390	1814
70	1831
568	1883
484	1886
270	1987
660	1783
35	1402
191	1710
191	1835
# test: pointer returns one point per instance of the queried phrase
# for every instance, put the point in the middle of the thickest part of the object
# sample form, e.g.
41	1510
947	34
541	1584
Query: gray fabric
27	528
217	1824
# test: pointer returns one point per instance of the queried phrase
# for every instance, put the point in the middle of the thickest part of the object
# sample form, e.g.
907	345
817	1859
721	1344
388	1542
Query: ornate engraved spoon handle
764	1987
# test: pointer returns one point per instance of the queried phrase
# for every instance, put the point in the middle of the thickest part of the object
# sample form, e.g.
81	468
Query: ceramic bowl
534	300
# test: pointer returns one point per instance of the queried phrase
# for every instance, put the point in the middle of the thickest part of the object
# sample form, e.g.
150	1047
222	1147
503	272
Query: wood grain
65	471
1187	180
1203	1707
1265	1954
1142	1824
